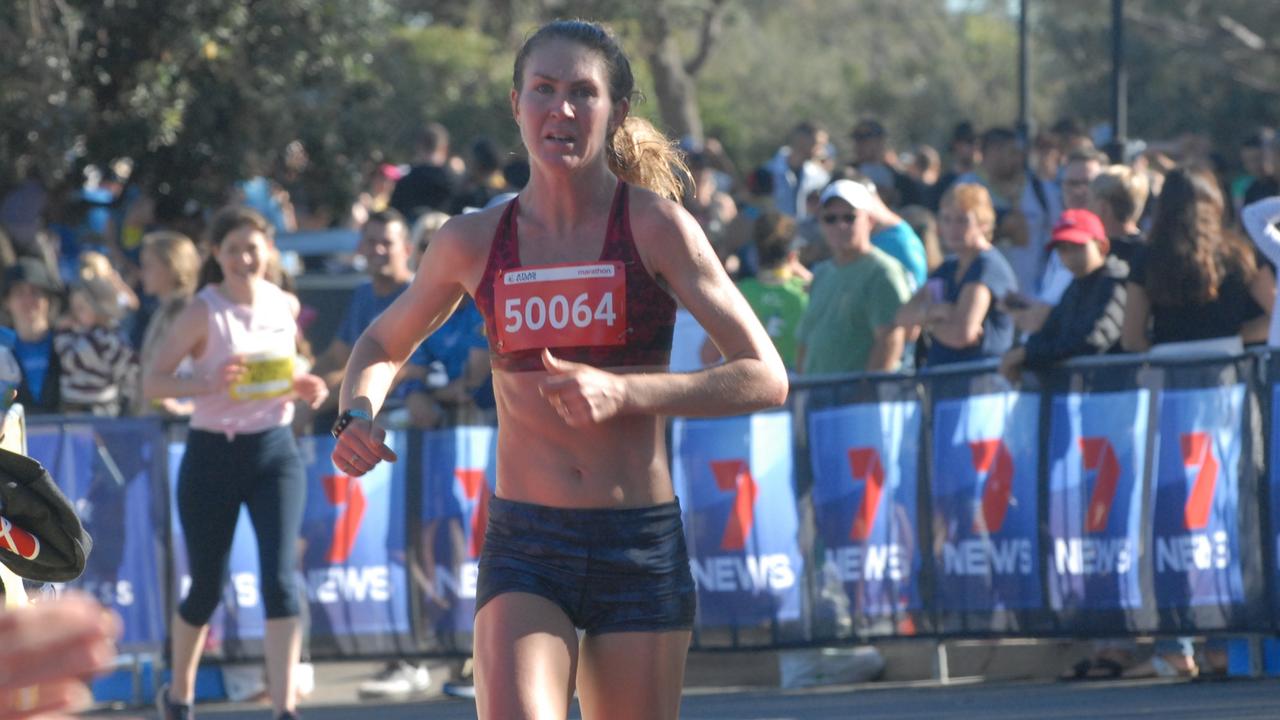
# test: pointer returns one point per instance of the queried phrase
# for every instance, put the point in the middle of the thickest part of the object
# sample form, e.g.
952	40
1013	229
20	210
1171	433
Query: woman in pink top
584	530
241	333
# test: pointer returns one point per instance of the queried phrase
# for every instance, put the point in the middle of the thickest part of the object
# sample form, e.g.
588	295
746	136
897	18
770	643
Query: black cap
41	537
31	270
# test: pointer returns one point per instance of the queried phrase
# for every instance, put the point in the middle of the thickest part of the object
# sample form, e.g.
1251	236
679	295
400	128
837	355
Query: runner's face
563	108
243	253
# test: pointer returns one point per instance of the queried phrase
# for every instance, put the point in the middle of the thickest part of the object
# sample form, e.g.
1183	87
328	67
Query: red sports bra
607	313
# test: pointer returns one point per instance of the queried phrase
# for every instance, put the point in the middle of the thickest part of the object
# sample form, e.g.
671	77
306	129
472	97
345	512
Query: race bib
561	306
265	376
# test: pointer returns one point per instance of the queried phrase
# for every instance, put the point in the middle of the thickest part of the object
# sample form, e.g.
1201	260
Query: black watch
345	419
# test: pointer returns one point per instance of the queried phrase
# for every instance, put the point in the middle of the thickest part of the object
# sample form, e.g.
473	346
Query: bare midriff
621	462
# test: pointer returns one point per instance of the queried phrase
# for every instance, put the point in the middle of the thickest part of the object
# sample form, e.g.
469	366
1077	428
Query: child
96	360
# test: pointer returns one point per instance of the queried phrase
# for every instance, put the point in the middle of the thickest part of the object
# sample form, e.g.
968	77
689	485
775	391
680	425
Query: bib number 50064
535	313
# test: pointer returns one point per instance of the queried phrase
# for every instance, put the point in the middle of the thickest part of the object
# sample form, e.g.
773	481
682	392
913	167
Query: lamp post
1024	77
1119	85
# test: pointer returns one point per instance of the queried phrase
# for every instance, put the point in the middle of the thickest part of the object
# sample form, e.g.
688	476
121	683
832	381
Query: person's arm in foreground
47	653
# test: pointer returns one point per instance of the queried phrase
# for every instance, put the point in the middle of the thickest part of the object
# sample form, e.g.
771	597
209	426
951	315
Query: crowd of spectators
856	256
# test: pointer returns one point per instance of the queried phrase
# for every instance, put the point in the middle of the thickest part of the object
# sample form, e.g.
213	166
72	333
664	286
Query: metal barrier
1111	497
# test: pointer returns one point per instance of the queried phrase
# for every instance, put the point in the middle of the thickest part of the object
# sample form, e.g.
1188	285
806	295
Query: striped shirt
96	365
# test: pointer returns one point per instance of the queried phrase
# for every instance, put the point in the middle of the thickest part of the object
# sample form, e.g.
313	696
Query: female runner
576	278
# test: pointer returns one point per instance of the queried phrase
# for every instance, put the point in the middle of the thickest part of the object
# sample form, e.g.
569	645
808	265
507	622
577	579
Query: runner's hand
221	381
581	394
311	389
361	446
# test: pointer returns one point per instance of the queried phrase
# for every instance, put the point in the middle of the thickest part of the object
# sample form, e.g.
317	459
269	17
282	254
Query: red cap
1079	227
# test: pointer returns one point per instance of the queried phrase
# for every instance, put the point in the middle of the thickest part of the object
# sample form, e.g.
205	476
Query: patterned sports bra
607	313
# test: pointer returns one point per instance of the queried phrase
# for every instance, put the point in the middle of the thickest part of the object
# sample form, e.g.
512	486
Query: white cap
854	193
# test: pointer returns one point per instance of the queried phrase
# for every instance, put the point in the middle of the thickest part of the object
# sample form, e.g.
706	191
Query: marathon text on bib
561	306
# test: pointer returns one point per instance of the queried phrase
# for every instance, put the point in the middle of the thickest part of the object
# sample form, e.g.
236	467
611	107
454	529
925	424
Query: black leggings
262	470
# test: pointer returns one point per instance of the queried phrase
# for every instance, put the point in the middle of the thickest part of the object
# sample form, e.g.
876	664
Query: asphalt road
1167	700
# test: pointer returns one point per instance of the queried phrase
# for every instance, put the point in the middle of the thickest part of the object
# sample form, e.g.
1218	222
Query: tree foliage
201	93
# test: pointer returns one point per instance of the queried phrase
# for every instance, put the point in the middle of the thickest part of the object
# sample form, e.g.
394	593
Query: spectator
423	230
1118	196
848	326
957	307
965	155
1260	220
95	359
30	297
484	178
376	196
384	244
1196	281
1046	156
1088	319
241	334
898	239
430	184
1082	166
1025	206
713	209
776	293
872	158
170	268
925	225
925	167
798	170
1256	161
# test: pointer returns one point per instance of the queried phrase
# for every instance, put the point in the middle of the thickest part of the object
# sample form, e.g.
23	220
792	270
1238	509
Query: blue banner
734	480
1196	505
984	497
865	476
353	532
458	478
1097	458
105	470
1273	478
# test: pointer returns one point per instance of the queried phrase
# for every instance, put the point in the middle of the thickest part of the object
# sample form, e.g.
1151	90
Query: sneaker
170	710
398	679
464	686
288	715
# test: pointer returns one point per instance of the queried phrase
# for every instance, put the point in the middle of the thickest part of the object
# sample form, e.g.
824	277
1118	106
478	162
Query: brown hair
225	222
638	152
972	197
1191	253
178	254
773	233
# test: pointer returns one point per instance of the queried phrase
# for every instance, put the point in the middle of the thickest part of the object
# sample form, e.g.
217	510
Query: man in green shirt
848	326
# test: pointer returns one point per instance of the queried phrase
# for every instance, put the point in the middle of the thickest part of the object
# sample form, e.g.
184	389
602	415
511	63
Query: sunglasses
833	218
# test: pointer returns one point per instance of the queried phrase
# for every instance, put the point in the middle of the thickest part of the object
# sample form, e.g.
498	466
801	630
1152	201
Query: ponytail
210	273
641	155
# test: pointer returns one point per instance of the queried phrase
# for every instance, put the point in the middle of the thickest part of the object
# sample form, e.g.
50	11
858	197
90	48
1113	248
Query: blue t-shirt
34	359
990	269
444	353
364	308
902	244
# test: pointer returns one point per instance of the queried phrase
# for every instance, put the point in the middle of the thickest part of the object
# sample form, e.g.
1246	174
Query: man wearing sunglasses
848	326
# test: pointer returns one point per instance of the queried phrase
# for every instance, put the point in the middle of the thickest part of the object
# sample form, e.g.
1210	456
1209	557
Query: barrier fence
1115	496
